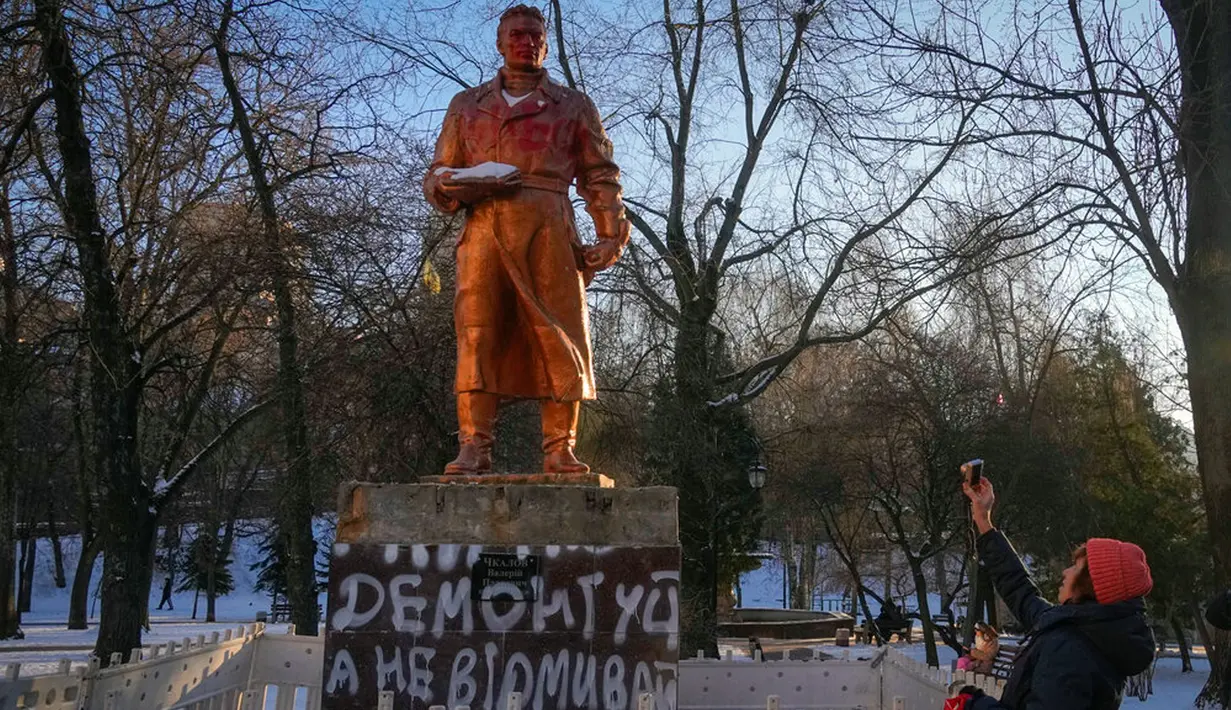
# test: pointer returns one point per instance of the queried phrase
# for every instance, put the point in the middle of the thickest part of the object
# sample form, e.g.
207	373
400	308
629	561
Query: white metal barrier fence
236	670
250	670
918	685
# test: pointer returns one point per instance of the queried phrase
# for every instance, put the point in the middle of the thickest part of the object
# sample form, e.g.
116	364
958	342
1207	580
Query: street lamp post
756	481
756	476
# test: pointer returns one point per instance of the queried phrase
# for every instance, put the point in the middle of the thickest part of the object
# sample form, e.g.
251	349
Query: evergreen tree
1137	468
270	569
205	551
720	514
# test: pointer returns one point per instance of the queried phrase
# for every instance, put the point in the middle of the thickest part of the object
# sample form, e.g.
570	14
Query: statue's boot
560	436
476	414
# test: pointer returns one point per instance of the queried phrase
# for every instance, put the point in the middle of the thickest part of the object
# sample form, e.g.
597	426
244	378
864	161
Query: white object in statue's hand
482	171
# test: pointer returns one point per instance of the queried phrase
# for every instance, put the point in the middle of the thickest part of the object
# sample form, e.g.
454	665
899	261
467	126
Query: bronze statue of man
507	153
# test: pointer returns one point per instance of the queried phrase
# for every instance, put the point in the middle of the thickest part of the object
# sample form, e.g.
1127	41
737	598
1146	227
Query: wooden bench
946	629
281	611
902	629
1002	665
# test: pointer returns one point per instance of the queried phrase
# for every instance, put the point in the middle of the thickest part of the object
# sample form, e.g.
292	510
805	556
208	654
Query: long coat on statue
520	308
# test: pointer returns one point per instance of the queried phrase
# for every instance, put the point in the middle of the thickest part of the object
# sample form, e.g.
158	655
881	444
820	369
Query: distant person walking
166	595
1079	653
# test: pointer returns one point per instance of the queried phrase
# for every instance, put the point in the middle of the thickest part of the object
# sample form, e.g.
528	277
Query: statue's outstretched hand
603	254
474	191
465	193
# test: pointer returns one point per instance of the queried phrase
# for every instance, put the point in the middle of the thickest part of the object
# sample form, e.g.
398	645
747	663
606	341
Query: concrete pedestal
458	595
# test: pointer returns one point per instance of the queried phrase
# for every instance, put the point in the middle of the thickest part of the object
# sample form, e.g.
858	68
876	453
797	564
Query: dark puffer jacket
1077	656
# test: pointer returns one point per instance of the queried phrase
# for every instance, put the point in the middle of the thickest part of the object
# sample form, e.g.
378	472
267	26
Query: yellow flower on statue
431	279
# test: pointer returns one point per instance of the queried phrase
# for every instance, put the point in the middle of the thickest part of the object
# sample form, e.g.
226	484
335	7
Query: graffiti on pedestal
452	625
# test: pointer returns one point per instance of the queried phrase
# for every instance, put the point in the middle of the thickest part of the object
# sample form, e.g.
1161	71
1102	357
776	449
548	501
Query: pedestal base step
494	513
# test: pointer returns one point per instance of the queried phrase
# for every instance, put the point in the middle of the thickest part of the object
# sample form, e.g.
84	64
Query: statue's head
521	38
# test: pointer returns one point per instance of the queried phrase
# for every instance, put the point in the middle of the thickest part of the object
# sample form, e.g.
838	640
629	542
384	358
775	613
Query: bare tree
306	128
10	366
295	510
926	399
1131	115
127	331
19	101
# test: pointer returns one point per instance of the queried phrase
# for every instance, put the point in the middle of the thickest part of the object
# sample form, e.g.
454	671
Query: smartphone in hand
972	471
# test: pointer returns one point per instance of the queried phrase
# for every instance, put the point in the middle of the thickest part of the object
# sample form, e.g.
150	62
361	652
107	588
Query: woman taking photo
1077	653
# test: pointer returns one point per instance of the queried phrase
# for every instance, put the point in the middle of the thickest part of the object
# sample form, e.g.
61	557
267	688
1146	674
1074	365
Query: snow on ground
762	588
1173	690
47	641
49	604
44	646
41	662
53	638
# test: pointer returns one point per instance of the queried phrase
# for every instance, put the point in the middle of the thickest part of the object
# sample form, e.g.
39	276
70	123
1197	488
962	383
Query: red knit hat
1118	570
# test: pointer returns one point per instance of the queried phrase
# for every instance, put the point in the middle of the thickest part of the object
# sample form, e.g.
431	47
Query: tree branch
166	489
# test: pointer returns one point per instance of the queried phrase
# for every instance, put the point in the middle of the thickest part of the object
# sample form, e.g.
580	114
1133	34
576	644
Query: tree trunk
1217	690
172	536
888	574
128	571
29	549
91	542
295	511
712	587
861	593
79	599
805	576
691	373
10	618
925	614
1209	374
786	576
211	595
1186	661
9	416
974	607
57	551
115	361
992	600
224	550
1201	293
797	575
942	582
851	562
867	614
10	607
211	575
1215	693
